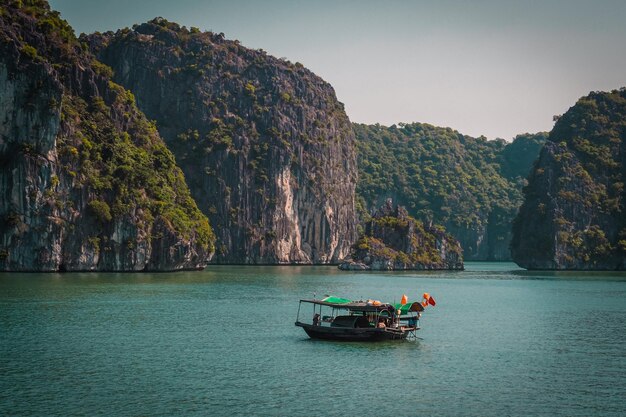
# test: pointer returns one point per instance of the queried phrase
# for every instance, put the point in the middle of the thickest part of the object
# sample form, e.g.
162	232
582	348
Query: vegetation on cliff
393	240
265	146
472	186
90	185
573	213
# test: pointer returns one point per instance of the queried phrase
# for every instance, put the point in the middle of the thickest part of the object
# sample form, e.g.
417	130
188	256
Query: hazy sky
494	67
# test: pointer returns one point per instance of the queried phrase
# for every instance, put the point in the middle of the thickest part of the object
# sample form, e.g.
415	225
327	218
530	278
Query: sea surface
500	342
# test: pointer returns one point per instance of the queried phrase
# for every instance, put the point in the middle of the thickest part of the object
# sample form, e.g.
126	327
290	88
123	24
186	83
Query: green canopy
336	300
404	308
410	306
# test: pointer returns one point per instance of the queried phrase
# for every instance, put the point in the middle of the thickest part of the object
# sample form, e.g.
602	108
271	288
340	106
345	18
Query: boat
335	318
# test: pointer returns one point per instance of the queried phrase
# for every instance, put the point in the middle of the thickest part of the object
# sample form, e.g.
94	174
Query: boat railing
318	316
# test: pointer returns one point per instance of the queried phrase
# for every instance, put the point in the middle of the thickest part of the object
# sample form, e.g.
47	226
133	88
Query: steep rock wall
66	202
573	213
265	146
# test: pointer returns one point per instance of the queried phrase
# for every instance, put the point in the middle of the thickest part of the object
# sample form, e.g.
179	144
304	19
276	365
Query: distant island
161	147
393	240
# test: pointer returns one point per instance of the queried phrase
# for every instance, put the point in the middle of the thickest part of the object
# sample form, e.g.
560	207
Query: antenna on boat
314	295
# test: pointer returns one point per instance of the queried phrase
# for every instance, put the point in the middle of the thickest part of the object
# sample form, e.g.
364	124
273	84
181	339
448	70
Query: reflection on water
501	341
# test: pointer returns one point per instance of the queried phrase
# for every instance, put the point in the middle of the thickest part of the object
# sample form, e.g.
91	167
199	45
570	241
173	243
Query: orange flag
404	300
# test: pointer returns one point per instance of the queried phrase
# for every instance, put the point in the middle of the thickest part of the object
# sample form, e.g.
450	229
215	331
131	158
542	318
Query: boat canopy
352	305
411	306
336	300
367	306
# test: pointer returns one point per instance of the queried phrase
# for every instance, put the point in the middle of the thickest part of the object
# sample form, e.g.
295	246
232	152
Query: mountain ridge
447	178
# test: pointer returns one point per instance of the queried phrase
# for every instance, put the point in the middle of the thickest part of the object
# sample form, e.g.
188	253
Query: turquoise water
500	342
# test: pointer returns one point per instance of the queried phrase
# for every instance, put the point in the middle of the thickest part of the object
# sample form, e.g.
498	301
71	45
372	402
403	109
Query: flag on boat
428	300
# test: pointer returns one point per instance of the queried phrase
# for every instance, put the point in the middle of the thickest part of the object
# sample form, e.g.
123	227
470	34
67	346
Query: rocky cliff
471	186
266	148
86	183
393	240
573	216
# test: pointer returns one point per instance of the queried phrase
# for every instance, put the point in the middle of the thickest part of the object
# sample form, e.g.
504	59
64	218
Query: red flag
431	301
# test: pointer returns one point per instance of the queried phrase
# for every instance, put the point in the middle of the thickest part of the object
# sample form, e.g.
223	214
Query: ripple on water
499	342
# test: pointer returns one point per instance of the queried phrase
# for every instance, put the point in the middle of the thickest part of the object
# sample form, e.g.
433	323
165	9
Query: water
500	342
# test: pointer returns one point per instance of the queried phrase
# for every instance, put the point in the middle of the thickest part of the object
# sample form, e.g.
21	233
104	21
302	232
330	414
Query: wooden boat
334	318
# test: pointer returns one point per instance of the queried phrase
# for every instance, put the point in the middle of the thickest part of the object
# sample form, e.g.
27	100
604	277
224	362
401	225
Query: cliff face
393	240
471	186
573	212
265	146
85	181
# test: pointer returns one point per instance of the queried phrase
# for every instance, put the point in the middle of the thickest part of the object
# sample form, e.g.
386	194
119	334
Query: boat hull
353	334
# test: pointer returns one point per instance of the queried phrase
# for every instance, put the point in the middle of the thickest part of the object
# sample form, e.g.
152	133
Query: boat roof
352	305
344	303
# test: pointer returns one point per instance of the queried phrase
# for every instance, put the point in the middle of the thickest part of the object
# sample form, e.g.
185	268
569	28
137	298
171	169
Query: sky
484	67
